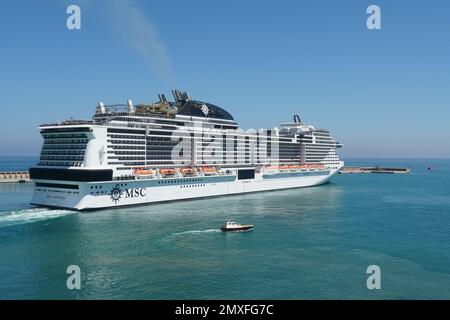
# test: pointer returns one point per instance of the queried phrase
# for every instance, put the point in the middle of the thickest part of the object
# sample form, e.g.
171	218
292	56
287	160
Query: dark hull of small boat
244	228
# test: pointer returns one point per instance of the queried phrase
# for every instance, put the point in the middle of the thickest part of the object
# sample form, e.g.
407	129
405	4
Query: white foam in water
196	231
30	215
190	232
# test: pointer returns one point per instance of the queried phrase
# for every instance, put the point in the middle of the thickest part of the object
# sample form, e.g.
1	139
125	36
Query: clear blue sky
381	93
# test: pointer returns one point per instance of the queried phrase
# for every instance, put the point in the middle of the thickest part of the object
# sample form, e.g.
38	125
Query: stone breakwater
14	176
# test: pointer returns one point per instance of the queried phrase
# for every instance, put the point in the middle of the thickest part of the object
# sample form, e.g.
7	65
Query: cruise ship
173	150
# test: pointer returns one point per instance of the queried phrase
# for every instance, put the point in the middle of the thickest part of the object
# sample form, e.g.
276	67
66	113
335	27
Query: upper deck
183	110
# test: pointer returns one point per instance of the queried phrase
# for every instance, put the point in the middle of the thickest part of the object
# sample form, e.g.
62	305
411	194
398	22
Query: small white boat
233	226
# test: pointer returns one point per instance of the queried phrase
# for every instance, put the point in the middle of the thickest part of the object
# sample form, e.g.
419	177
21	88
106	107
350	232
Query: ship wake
25	216
195	232
189	233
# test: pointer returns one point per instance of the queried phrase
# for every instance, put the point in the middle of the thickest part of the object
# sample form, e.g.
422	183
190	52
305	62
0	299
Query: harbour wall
376	169
14	176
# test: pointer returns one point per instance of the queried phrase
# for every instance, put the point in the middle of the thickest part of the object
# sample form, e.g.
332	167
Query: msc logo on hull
117	193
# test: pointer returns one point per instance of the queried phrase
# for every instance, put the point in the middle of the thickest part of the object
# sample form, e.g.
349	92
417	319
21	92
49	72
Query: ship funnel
162	98
130	106
180	96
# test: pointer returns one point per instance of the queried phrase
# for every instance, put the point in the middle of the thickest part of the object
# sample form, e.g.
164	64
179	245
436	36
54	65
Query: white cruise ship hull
98	195
164	151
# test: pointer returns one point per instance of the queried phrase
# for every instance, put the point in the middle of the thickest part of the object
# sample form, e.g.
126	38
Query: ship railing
111	115
67	123
294	167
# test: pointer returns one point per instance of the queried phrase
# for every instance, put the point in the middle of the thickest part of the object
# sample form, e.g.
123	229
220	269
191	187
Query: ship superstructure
171	150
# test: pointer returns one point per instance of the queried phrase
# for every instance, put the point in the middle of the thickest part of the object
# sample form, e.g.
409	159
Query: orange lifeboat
283	167
294	167
167	172
209	170
144	171
187	171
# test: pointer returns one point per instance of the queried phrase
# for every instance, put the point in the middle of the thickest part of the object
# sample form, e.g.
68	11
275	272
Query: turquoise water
307	243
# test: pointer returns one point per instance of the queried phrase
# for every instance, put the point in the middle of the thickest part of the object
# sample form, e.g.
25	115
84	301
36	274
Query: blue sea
312	243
